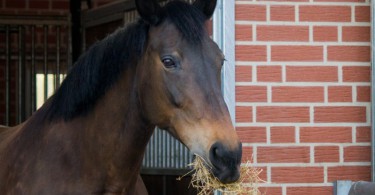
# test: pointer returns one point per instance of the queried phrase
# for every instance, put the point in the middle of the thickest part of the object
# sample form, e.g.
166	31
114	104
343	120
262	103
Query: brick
251	94
362	14
282	33
340	94
325	134
250	12
315	13
339	1
311	74
252	134
244	114
363	134
288	0
326	154
349	53
363	94
2	71
263	173
269	74
292	154
247	153
60	5
332	114
356	33
354	173
244	32
296	53
297	94
357	154
35	4
283	134
19	4
283	114
325	33
282	13
50	12
270	190
297	175
321	190
244	73
251	53
356	73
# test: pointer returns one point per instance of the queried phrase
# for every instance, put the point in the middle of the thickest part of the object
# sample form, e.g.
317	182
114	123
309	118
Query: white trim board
224	36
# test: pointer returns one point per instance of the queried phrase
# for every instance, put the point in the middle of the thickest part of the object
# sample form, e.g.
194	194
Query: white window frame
224	36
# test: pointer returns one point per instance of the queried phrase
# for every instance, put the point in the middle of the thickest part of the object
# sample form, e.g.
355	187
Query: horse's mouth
224	174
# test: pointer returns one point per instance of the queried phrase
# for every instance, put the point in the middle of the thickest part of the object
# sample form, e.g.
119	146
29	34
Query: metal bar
7	72
57	77
160	148
69	49
45	67
180	150
373	91
163	171
75	12
153	153
170	147
84	44
164	185
176	147
33	71
21	75
33	20
163	149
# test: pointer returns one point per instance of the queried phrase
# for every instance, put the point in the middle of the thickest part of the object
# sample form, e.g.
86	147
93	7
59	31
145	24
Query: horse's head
180	83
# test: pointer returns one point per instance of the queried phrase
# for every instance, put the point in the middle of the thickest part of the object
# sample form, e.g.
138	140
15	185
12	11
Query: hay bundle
206	183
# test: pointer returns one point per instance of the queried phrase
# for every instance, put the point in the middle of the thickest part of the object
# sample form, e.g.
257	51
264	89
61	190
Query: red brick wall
34	7
303	92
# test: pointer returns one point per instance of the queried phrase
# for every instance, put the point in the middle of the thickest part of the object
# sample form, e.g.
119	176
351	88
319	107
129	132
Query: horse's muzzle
226	163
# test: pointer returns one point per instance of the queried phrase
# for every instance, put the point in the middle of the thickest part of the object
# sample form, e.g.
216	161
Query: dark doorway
168	185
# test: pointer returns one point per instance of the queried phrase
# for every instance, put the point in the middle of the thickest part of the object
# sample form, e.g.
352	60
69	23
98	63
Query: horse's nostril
216	151
225	162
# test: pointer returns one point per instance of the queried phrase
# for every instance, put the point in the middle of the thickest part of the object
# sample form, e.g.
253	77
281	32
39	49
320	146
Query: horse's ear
206	6
148	10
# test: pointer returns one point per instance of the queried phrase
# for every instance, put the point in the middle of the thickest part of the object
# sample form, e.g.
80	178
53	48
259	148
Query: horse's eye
169	62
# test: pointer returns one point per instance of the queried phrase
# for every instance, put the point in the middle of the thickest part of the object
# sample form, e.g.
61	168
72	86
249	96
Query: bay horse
90	136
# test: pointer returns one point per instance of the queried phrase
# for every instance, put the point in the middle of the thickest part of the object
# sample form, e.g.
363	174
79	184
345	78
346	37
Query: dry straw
206	183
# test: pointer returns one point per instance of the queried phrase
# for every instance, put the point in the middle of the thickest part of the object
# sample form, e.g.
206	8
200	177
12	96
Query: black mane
100	67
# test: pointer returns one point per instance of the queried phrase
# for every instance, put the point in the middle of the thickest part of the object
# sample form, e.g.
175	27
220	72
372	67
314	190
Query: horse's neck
104	147
115	135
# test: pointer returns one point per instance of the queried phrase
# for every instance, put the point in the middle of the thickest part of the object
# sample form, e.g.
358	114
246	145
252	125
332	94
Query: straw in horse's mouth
205	182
